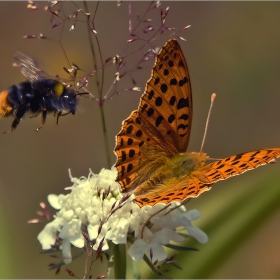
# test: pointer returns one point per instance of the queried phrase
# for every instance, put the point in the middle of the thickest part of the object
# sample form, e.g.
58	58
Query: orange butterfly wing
202	179
160	128
156	135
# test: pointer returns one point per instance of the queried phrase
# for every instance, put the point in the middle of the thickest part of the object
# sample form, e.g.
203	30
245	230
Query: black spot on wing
151	94
129	129
170	63
182	103
150	112
171	118
159	120
123	156
131	153
173	82
172	100
139	133
158	101
184	117
129	167
163	88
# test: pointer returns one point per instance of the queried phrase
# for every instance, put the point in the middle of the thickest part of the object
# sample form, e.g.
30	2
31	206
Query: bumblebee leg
61	115
58	115
34	116
20	113
44	117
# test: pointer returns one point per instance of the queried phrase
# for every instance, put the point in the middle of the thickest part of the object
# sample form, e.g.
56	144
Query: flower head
96	208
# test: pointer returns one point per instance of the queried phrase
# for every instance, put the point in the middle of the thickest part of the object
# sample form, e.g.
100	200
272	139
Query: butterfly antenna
213	96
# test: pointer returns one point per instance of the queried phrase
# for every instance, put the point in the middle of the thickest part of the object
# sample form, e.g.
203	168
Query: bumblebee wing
29	67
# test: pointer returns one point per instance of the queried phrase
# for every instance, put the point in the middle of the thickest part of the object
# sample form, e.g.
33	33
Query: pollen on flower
95	212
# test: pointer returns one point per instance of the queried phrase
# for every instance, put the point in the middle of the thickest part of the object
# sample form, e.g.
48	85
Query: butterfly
152	161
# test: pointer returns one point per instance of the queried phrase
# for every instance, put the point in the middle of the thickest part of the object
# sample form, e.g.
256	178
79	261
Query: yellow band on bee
59	88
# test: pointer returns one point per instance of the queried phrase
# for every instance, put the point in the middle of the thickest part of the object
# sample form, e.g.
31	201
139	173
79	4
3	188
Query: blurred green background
232	49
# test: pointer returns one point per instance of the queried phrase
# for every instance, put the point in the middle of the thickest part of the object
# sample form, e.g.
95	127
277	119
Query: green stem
135	270
120	261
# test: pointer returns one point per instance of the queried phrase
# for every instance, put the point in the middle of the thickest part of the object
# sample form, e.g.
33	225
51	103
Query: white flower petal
166	234
92	231
198	234
64	231
77	240
137	249
118	232
53	201
47	236
192	215
66	251
158	253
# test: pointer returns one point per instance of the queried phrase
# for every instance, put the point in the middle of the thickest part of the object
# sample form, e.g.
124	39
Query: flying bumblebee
38	95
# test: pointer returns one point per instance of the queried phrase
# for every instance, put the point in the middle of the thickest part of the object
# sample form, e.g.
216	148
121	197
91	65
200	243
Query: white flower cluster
96	203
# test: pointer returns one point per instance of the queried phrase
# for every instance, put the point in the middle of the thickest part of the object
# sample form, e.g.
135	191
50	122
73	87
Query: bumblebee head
70	100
